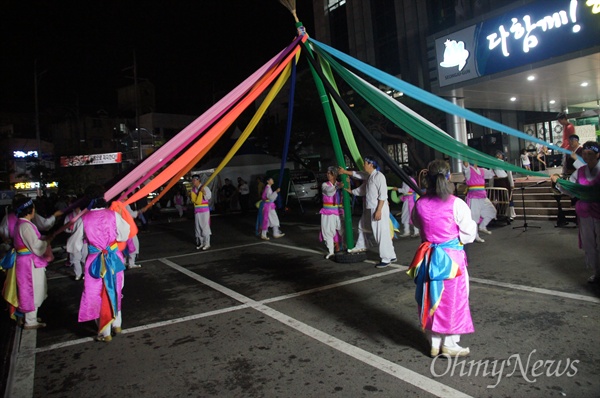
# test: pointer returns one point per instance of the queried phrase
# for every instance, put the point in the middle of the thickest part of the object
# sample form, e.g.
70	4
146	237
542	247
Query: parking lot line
28	350
538	290
400	372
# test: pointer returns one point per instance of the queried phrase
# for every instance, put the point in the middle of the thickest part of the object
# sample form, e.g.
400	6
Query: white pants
364	230
133	254
31	318
382	234
482	209
77	259
202	228
405	219
330	224
447	340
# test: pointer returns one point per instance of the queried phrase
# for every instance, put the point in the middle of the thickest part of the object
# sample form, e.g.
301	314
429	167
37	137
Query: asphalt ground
250	318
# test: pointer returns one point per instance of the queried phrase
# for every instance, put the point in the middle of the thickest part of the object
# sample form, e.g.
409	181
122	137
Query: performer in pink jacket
30	266
440	264
101	228
331	221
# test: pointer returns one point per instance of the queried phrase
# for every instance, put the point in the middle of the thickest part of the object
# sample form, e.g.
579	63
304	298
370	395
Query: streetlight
139	131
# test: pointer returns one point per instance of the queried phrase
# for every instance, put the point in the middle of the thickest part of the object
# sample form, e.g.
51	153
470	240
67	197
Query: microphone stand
522	188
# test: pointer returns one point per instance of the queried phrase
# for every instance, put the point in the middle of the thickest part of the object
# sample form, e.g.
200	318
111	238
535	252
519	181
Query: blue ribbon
8	261
112	265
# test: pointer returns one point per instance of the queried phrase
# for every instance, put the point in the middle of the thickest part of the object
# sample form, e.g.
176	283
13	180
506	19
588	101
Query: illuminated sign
23	154
528	34
90	160
34	185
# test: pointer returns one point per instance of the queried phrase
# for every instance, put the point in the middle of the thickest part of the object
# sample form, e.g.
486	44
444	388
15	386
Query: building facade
552	66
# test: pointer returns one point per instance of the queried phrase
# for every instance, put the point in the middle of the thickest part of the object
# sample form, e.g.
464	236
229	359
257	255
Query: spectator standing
260	187
504	179
542	152
568	129
244	191
178	201
525	162
439	267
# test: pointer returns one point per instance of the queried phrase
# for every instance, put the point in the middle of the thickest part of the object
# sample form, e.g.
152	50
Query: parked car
303	185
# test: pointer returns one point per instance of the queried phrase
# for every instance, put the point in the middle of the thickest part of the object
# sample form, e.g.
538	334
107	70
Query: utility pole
136	93
137	105
36	79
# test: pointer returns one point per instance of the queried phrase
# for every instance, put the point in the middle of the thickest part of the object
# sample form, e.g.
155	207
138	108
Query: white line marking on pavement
537	290
333	285
477	280
215	312
146	327
400	372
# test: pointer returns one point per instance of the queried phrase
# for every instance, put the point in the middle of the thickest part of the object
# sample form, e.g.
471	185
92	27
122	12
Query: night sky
193	51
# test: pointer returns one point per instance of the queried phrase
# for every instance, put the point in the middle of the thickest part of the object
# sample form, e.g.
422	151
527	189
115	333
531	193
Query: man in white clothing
377	208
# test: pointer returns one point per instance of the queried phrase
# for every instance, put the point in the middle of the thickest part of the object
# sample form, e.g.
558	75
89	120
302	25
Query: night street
251	318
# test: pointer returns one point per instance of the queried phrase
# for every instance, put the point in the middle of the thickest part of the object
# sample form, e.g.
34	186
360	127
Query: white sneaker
478	239
456	351
206	247
328	256
485	231
264	237
279	236
357	250
131	266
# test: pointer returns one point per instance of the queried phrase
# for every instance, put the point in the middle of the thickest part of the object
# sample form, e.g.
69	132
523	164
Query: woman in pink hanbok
101	228
32	256
439	267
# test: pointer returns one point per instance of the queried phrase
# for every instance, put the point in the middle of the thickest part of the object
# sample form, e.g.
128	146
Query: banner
90	160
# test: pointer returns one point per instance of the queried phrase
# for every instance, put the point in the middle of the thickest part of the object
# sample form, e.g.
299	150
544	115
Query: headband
372	161
592	148
24	206
93	203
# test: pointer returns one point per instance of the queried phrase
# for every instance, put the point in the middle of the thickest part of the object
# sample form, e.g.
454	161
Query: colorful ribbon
106	266
429	268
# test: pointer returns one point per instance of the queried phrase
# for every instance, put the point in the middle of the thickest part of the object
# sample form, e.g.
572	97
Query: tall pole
137	106
37	111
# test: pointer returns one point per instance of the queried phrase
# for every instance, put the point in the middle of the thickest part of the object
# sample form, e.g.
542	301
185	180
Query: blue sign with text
525	35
